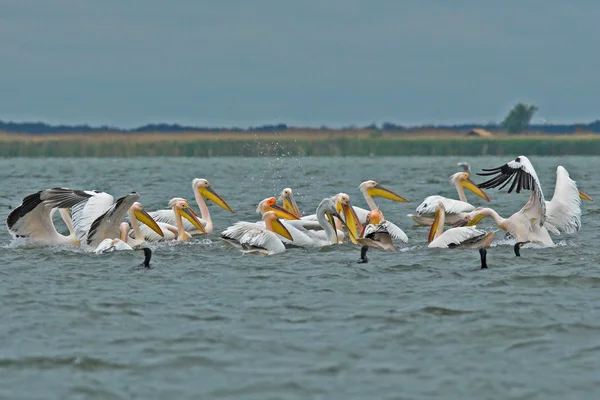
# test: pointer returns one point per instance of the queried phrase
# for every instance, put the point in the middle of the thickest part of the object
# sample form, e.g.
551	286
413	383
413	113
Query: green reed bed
190	147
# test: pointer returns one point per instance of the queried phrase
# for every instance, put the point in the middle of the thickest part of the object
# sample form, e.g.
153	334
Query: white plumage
110	245
451	206
458	236
563	212
467	236
253	236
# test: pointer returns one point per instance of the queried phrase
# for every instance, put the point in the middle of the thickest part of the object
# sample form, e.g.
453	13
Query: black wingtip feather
29	204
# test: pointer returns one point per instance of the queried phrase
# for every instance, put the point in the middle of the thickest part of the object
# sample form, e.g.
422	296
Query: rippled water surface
209	322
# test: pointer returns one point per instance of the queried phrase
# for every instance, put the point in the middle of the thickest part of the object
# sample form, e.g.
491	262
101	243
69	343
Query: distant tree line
518	122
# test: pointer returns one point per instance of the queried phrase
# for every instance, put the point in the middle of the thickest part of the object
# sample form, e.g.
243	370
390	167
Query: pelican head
462	179
343	206
203	187
472	218
137	209
374	189
287	197
270	204
465	165
374	217
181	207
274	225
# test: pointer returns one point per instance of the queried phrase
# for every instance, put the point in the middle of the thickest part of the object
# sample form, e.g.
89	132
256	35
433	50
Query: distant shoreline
294	142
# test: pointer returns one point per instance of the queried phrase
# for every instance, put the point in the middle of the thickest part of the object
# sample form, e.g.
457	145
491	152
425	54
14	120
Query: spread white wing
563	212
84	214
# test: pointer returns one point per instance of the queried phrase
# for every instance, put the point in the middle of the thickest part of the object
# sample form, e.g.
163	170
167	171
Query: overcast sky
308	62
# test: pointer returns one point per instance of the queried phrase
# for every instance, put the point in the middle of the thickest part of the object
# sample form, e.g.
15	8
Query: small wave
526	343
42	362
327	369
196	317
442	311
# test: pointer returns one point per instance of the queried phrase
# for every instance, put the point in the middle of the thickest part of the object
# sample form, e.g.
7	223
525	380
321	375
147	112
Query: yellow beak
282	212
147	220
290	204
584	196
210	194
380	191
280	229
476	220
190	215
353	225
332	223
469	184
435	226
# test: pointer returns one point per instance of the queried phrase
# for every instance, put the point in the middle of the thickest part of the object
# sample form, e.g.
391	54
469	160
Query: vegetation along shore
358	142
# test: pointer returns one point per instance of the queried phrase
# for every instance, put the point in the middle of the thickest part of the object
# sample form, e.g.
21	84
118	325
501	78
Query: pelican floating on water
311	234
455	209
465	236
253	237
202	190
181	210
532	223
32	219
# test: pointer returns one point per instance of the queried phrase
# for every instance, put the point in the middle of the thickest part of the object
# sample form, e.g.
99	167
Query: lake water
208	322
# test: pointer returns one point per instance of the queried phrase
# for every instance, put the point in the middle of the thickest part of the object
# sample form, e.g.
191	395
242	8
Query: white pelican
455	209
371	189
380	233
179	208
465	236
287	198
32	219
562	214
253	237
99	218
311	234
350	220
202	190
